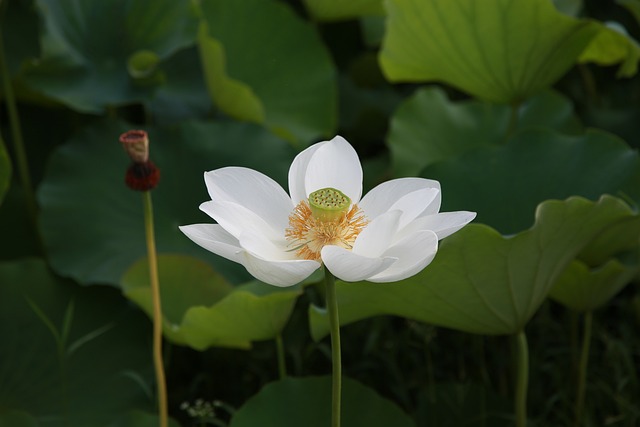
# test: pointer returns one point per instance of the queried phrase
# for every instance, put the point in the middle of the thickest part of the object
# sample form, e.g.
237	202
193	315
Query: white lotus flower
390	234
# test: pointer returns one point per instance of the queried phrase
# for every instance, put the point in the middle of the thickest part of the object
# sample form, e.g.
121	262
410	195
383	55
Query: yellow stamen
308	234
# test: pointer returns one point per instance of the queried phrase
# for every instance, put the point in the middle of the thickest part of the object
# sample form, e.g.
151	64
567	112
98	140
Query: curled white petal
382	197
253	190
278	273
443	224
214	238
351	267
265	248
414	253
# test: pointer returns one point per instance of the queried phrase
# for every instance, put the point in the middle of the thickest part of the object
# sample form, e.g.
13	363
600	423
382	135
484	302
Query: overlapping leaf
581	288
428	128
88	48
480	281
502	51
200	309
613	45
92	223
263	64
306	402
505	184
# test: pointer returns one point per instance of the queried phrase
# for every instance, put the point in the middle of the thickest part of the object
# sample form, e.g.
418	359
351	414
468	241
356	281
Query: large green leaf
200	309
612	45
89	49
272	69
503	51
480	281
17	419
92	223
583	289
71	355
428	128
295	402
5	170
336	10
504	184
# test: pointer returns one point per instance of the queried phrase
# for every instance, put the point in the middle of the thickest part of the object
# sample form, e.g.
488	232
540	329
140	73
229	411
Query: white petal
279	273
414	253
237	219
334	164
265	248
253	190
443	224
214	238
377	235
381	198
298	171
351	267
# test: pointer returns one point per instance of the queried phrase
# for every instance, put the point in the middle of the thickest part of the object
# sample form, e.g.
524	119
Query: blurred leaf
480	281
494	50
336	10
87	46
569	7
505	184
428	128
613	241
61	392
17	419
202	310
583	289
633	6
613	45
295	402
186	96
92	223
5	170
273	69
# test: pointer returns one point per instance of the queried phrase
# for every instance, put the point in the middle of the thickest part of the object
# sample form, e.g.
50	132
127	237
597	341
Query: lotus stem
522	379
334	325
282	363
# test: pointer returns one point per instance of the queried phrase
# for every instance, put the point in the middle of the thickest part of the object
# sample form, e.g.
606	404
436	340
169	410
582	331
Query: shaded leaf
276	71
138	418
85	179
87	46
505	184
480	281
613	45
583	289
428	128
200	309
336	10
60	389
17	419
307	402
494	50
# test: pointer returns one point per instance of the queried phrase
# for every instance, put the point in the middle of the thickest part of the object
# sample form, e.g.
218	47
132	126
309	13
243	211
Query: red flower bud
142	176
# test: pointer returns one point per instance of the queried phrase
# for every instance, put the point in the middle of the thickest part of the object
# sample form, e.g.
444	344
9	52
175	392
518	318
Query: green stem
157	310
334	324
582	367
282	363
16	135
522	379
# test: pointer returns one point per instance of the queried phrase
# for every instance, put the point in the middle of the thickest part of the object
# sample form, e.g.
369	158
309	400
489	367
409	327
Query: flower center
327	218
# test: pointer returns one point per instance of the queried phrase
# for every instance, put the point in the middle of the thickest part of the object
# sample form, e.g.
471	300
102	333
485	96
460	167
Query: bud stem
157	309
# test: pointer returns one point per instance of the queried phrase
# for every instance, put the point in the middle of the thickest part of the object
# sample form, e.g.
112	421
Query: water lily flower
388	235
